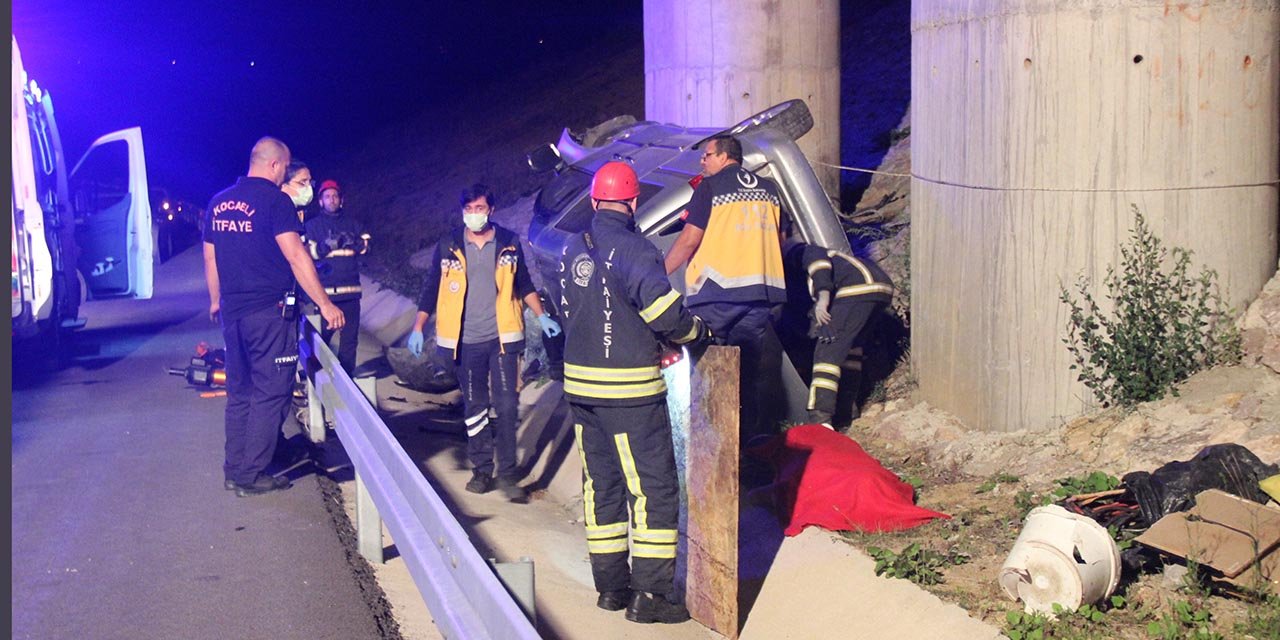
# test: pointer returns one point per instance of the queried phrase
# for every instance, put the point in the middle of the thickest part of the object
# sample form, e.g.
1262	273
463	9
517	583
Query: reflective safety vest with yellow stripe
445	290
739	258
615	303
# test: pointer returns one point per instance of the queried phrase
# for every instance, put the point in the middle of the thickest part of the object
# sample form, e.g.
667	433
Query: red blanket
826	479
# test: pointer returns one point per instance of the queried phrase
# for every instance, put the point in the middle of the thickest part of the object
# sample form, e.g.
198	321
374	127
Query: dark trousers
488	379
834	359
628	461
748	327
348	335
262	353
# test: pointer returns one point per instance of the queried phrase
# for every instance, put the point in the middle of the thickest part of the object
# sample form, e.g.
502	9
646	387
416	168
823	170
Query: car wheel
791	117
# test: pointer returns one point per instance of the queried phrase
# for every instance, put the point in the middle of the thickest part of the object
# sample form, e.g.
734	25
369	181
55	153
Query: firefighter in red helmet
618	309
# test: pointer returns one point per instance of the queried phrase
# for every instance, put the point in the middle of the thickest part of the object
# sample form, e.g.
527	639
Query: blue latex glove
549	326
415	344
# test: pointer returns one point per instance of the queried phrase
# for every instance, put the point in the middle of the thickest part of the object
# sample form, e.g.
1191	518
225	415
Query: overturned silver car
666	159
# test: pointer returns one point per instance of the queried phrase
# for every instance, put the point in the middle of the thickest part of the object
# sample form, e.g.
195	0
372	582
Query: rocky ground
989	481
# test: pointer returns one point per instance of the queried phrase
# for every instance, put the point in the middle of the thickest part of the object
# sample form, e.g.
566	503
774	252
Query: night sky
205	80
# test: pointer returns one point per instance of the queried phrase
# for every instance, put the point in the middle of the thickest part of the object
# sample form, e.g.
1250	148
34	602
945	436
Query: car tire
791	118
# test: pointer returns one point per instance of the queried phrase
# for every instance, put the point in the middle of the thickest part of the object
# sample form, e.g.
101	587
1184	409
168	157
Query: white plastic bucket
1060	557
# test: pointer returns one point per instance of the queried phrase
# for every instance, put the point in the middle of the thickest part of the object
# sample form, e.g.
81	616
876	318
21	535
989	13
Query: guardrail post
368	524
315	414
315	410
517	577
368	385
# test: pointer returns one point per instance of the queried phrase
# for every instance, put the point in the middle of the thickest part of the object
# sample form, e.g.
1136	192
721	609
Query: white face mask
475	221
303	197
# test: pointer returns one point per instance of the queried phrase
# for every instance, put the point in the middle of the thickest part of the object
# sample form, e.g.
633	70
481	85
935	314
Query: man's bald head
269	159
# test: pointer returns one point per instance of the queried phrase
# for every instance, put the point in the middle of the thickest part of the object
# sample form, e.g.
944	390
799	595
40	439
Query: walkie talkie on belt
289	304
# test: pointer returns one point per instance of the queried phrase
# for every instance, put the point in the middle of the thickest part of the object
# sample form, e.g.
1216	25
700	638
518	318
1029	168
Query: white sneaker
827	425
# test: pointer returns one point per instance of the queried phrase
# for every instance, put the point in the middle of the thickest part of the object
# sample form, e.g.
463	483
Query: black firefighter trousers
262	353
628	461
832	360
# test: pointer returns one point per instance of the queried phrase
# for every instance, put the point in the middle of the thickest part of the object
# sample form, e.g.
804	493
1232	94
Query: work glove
550	327
415	344
320	249
821	308
704	338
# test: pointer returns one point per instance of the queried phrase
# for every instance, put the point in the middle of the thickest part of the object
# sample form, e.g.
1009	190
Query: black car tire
791	118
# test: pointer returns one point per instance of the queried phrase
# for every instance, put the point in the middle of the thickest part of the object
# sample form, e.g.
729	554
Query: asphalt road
121	527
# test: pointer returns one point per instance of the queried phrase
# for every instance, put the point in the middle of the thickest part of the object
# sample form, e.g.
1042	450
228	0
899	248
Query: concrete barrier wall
1036	125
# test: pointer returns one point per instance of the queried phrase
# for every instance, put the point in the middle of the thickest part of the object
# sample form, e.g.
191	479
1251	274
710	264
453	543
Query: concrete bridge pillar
1036	125
710	63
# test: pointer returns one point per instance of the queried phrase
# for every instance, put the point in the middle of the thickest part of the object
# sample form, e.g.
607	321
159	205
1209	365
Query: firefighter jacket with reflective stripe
445	290
616	308
334	242
847	277
739	258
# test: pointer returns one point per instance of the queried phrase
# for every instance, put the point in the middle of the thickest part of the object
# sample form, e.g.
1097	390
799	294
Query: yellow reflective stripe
639	513
599	532
659	306
654	535
693	333
813	398
588	487
825	384
830	369
602	374
341	253
643	390
607	546
337	291
862	289
661	551
857	264
819	265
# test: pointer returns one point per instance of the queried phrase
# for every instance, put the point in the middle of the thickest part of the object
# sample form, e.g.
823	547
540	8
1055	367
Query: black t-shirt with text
242	224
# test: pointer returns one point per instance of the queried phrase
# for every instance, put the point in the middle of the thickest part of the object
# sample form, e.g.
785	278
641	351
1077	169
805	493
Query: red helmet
329	184
615	181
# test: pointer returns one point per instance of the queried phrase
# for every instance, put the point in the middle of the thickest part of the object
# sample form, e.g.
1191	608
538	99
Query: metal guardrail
459	587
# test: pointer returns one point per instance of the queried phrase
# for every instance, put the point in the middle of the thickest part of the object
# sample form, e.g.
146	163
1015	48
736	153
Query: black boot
655	607
614	600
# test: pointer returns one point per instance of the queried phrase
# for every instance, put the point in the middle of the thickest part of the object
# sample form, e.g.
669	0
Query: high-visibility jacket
739	258
616	308
445	291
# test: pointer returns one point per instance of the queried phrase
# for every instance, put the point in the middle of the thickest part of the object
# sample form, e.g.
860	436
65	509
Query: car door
113	216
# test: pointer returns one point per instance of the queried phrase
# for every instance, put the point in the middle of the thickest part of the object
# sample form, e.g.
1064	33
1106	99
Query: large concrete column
712	63
1036	124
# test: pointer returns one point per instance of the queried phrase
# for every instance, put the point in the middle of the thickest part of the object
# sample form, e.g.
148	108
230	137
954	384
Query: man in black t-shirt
252	254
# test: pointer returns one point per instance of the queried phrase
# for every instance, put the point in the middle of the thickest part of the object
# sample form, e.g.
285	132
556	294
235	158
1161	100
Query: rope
945	183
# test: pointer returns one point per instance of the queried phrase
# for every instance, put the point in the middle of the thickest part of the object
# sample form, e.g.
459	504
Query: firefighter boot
655	607
614	600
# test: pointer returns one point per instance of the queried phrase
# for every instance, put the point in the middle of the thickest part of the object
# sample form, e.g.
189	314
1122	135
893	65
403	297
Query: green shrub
1165	326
